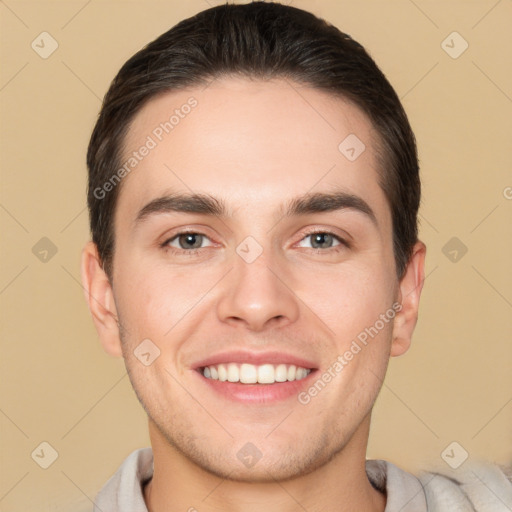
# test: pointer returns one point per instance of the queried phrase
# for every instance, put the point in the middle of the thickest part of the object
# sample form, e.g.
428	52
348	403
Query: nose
257	295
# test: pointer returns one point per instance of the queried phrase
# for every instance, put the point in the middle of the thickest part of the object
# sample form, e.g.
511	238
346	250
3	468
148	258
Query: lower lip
258	393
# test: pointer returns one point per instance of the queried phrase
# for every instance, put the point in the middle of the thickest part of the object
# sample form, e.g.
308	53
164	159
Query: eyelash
192	252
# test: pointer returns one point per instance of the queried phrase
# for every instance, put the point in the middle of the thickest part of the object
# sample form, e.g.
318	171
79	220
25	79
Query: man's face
255	285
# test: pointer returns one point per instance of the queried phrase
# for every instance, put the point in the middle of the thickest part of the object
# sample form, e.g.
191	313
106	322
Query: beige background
58	386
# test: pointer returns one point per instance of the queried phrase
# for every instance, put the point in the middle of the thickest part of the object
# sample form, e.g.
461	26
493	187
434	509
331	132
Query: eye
186	241
323	240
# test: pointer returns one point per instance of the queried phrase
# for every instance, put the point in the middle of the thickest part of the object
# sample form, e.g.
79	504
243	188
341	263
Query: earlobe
410	288
100	300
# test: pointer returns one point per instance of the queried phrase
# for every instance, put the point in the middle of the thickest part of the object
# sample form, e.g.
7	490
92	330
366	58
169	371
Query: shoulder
475	486
123	491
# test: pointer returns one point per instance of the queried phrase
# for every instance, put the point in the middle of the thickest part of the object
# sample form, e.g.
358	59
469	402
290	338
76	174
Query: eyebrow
205	204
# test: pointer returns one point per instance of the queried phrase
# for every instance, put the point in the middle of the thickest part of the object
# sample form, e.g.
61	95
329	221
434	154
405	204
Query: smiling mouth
246	373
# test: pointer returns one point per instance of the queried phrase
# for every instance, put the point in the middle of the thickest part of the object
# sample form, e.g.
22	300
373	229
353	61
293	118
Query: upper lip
256	358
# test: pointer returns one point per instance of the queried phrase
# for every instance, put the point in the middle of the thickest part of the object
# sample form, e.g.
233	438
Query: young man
253	194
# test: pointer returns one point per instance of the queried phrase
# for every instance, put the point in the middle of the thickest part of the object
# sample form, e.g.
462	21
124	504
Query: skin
255	145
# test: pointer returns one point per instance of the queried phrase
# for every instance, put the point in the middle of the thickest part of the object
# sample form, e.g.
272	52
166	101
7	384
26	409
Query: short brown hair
259	40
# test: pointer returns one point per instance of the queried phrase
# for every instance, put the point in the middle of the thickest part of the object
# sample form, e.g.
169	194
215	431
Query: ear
100	299
410	288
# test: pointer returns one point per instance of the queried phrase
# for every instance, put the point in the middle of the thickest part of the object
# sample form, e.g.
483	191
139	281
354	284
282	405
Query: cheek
139	306
349	300
158	302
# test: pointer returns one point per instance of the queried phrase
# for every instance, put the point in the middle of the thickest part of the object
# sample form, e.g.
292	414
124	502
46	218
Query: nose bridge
254	293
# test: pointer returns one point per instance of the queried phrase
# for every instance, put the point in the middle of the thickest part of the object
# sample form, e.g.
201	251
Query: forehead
250	142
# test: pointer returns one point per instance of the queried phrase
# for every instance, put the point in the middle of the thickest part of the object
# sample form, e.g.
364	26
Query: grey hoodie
479	487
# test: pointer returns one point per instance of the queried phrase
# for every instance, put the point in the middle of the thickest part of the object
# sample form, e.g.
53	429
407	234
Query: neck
342	484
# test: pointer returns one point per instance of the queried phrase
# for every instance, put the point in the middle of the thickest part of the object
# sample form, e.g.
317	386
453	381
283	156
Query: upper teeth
252	374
